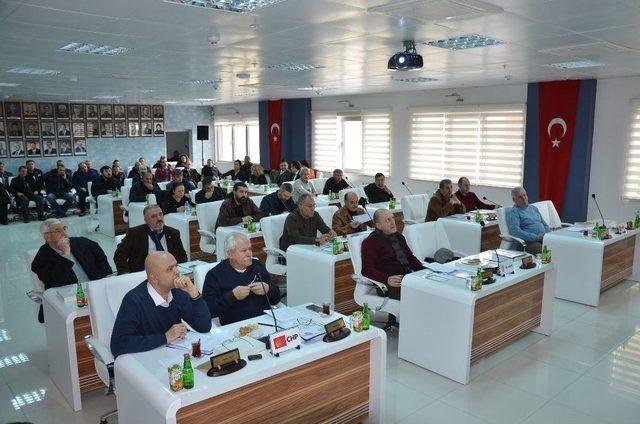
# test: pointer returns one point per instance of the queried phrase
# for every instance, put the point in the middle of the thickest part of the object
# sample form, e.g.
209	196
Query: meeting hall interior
320	211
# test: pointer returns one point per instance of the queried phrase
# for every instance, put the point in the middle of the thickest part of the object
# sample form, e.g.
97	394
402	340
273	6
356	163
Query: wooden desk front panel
194	238
119	225
334	389
617	262
399	218
505	316
89	379
490	238
344	286
257	244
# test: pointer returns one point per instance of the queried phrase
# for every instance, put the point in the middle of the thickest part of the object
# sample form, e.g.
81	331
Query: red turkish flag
274	114
558	102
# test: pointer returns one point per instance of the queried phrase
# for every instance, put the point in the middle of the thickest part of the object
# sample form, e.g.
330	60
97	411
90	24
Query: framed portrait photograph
78	130
3	130
93	129
106	112
158	112
62	129
106	129
145	112
92	111
34	148
13	110
49	148
4	152
79	147
120	129
133	112
46	111
14	129
16	148
77	112
146	128
31	130
158	128
134	128
62	110
30	110
47	130
119	112
64	147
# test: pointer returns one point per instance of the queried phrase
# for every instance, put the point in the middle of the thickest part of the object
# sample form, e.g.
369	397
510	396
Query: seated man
342	221
143	188
191	174
302	225
152	236
117	174
386	257
302	186
278	202
5	200
80	181
210	170
284	174
336	183
58	186
24	189
151	313
136	172
378	192
525	222
238	208
105	183
209	192
443	202
178	178
239	287
64	260
469	198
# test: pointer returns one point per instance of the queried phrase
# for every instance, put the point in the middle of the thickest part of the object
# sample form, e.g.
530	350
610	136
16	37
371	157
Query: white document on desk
361	219
438	267
284	314
208	341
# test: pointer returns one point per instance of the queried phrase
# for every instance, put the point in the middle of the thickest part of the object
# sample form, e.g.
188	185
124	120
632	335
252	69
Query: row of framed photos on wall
81	129
79	111
35	148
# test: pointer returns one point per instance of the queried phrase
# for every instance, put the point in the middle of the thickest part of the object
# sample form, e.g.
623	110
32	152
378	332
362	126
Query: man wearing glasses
64	260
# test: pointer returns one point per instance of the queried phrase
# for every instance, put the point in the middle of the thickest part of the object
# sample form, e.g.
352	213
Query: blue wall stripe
531	181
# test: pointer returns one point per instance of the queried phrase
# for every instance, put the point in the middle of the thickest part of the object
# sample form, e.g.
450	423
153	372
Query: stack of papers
208	342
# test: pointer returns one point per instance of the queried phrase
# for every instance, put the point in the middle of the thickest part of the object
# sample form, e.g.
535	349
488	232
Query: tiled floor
587	371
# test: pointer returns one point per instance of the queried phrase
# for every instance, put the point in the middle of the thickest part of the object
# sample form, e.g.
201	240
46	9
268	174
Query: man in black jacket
4	176
24	189
284	174
209	192
58	186
278	202
65	260
378	191
105	183
4	204
336	183
144	187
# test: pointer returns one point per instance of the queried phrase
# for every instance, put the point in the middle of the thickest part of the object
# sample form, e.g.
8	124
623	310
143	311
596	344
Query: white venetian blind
632	175
376	143
483	143
325	141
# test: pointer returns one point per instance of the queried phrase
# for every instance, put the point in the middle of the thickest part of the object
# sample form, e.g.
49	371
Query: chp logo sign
284	340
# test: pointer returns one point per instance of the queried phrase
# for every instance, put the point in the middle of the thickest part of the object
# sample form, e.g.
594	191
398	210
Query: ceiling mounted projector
409	60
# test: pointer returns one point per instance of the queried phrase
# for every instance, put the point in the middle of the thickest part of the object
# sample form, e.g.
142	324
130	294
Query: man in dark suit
152	236
64	260
285	174
25	188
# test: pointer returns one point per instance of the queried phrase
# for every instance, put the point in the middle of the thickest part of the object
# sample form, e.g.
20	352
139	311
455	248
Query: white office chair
128	182
105	297
272	228
358	190
507	240
550	214
90	200
414	208
326	213
37	286
199	274
124	194
207	216
257	200
424	240
192	194
318	184
366	290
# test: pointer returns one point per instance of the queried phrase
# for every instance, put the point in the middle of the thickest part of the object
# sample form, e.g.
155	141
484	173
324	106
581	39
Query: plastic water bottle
187	209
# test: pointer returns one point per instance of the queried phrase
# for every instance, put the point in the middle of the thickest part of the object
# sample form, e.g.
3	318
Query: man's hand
395	280
185	284
148	186
241	292
454	199
386	189
327	237
259	288
177	331
108	191
245	219
354	224
180	209
64	246
82	189
19	194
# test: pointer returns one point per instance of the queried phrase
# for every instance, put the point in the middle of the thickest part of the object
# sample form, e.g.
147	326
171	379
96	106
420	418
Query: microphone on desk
348	182
256	277
406	187
363	202
490	201
593	196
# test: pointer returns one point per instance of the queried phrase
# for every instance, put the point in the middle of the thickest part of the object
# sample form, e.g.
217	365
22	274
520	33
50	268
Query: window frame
247	122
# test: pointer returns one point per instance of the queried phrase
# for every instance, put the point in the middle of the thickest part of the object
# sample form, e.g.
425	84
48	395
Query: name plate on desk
226	363
527	263
334	326
284	340
506	267
335	331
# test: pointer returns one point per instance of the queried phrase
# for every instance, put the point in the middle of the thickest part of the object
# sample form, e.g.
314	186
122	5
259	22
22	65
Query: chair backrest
326	213
38	286
549	213
355	249
192	194
272	228
502	224
128	182
318	184
163	185
208	215
125	191
200	272
257	199
425	238
414	206
358	190
136	213
89	185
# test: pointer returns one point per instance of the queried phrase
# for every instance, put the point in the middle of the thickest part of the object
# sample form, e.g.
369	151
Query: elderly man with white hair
64	260
525	222
239	287
303	186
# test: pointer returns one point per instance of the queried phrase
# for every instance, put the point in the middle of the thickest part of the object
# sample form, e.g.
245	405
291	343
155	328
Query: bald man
342	221
151	314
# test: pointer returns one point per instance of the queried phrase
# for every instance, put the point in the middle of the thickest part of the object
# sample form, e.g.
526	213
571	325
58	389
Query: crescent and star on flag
563	124
275	132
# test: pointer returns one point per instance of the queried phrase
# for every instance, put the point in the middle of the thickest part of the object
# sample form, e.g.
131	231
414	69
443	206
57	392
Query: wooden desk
489	237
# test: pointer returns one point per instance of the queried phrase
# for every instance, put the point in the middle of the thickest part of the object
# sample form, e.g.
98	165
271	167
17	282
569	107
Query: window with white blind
483	143
632	175
236	138
355	141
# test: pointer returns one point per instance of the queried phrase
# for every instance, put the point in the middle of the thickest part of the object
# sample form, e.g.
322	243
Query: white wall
399	103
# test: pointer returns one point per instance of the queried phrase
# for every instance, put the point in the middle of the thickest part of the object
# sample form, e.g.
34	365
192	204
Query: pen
266	325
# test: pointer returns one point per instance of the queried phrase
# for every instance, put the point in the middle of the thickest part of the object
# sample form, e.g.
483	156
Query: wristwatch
197	297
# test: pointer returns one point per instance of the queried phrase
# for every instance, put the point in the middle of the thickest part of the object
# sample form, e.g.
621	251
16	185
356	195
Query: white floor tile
564	354
438	413
401	401
568	310
420	379
556	413
592	336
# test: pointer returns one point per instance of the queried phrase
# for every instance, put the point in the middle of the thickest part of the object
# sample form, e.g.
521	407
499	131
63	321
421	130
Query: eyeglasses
59	230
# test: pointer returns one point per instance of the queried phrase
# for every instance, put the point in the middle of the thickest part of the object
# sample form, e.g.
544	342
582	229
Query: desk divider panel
617	262
89	379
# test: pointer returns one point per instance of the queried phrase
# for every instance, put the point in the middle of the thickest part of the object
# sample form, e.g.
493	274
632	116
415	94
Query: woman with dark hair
312	172
182	161
176	200
236	173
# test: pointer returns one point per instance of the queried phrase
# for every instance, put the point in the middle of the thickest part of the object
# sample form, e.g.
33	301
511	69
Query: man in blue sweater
525	222
151	314
239	287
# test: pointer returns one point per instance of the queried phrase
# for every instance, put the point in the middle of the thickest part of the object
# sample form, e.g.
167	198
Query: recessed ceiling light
463	42
144	90
106	97
293	67
205	100
88	48
8	84
245	94
8	361
576	64
415	80
311	88
230	5
33	71
28	398
243	75
202	82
